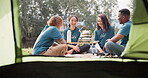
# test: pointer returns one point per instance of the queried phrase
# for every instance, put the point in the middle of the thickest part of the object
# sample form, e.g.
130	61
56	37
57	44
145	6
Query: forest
35	13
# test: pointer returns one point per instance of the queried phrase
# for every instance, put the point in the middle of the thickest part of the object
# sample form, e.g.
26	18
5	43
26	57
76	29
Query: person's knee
87	46
109	44
84	48
63	46
66	46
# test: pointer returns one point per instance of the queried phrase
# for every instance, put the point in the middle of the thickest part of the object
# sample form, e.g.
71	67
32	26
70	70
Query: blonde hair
54	21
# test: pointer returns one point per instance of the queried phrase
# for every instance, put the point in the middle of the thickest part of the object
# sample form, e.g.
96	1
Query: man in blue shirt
111	45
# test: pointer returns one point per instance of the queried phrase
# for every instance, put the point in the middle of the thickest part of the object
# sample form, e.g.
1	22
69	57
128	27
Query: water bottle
68	36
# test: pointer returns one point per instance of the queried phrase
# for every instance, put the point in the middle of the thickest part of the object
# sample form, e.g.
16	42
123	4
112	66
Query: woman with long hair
103	31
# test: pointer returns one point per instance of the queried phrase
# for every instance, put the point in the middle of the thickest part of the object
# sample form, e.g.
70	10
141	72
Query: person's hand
77	49
101	51
68	52
78	44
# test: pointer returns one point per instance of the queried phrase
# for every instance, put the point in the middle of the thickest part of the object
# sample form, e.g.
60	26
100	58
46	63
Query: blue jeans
114	48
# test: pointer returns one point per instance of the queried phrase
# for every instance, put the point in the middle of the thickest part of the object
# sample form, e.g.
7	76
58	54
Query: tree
131	6
35	13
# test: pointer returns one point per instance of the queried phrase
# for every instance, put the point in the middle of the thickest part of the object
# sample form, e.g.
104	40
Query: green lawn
27	51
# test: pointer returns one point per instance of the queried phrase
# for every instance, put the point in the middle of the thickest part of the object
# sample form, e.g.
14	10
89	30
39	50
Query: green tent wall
137	46
10	32
7	48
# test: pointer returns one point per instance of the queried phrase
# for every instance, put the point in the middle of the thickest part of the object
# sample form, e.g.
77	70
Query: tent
13	64
138	40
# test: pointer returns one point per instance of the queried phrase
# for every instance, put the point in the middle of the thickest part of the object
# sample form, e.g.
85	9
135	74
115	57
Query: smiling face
73	22
121	18
102	22
99	22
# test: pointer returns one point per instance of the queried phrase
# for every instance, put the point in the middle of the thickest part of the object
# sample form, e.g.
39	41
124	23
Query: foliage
35	13
27	51
131	6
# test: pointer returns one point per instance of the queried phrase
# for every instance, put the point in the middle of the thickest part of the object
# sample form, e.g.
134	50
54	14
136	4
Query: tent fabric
93	69
7	45
137	46
10	36
140	14
17	30
76	58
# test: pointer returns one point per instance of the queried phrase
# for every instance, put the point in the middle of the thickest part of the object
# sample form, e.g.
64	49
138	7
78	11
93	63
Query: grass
26	51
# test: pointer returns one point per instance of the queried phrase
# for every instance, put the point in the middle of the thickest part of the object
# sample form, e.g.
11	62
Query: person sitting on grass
103	32
123	34
75	34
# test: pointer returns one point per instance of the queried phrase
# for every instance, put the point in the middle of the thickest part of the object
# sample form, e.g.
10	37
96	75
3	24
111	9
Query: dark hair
70	18
105	22
125	12
54	20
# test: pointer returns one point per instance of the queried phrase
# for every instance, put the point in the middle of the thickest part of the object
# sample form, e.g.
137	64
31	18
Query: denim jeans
114	48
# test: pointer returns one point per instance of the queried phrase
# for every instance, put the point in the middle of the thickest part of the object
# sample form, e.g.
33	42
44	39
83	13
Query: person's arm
116	38
71	51
76	48
124	31
62	41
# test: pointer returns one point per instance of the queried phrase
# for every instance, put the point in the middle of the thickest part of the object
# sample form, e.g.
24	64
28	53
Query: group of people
51	42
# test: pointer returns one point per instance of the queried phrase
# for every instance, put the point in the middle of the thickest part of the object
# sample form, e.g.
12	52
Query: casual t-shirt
101	36
75	34
124	30
46	38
